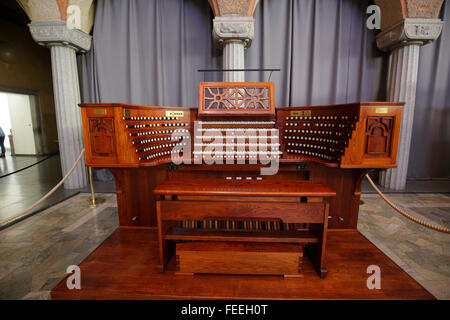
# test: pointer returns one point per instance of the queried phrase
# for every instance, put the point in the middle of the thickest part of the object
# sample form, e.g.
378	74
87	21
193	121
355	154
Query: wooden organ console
237	177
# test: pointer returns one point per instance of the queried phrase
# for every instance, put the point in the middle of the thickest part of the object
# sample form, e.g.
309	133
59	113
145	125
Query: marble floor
19	190
35	253
422	252
11	164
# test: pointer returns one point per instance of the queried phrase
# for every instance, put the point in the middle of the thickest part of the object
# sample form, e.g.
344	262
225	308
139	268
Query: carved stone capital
56	33
409	31
232	28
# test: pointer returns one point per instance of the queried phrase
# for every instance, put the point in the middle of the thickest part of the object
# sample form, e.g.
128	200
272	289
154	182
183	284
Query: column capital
409	31
56	33
233	28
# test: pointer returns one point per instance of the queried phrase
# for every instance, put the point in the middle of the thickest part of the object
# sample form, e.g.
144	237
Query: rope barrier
48	194
406	215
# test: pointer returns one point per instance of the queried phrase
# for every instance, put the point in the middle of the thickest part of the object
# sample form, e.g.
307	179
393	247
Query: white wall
21	124
4	117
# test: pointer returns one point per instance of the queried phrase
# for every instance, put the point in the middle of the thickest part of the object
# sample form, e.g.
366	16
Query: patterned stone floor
35	253
422	252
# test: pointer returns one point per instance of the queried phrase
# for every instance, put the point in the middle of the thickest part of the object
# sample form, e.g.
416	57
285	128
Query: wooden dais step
239	258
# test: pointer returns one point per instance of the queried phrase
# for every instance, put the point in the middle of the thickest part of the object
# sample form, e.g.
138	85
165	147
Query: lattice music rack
236	99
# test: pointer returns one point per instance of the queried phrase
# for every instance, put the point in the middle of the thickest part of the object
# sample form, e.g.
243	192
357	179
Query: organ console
238	175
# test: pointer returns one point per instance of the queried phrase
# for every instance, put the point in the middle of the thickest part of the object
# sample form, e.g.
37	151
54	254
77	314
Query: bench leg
317	251
161	266
165	246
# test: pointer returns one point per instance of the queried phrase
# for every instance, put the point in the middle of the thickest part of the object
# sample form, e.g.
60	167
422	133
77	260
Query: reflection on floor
10	164
34	254
21	189
423	253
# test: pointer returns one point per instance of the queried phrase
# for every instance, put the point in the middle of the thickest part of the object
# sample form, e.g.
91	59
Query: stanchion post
91	184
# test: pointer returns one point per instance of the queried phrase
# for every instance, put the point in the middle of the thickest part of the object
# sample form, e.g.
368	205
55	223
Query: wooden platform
124	267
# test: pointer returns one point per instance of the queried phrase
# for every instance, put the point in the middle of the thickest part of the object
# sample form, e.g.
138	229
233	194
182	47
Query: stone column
64	43
404	39
234	34
233	58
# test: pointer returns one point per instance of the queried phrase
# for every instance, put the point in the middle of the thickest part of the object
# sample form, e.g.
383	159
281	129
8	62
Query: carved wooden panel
379	136
101	131
236	98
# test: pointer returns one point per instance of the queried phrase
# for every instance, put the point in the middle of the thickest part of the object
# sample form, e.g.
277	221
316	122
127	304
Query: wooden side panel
135	198
100	133
317	251
378	136
374	142
344	207
102	139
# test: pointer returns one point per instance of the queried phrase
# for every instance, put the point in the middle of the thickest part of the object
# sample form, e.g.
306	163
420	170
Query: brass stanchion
91	184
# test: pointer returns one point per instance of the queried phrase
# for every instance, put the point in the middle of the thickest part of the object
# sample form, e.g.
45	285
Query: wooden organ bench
318	149
245	204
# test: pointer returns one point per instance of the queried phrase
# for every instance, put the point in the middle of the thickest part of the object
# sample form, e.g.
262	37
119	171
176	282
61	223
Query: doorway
19	119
